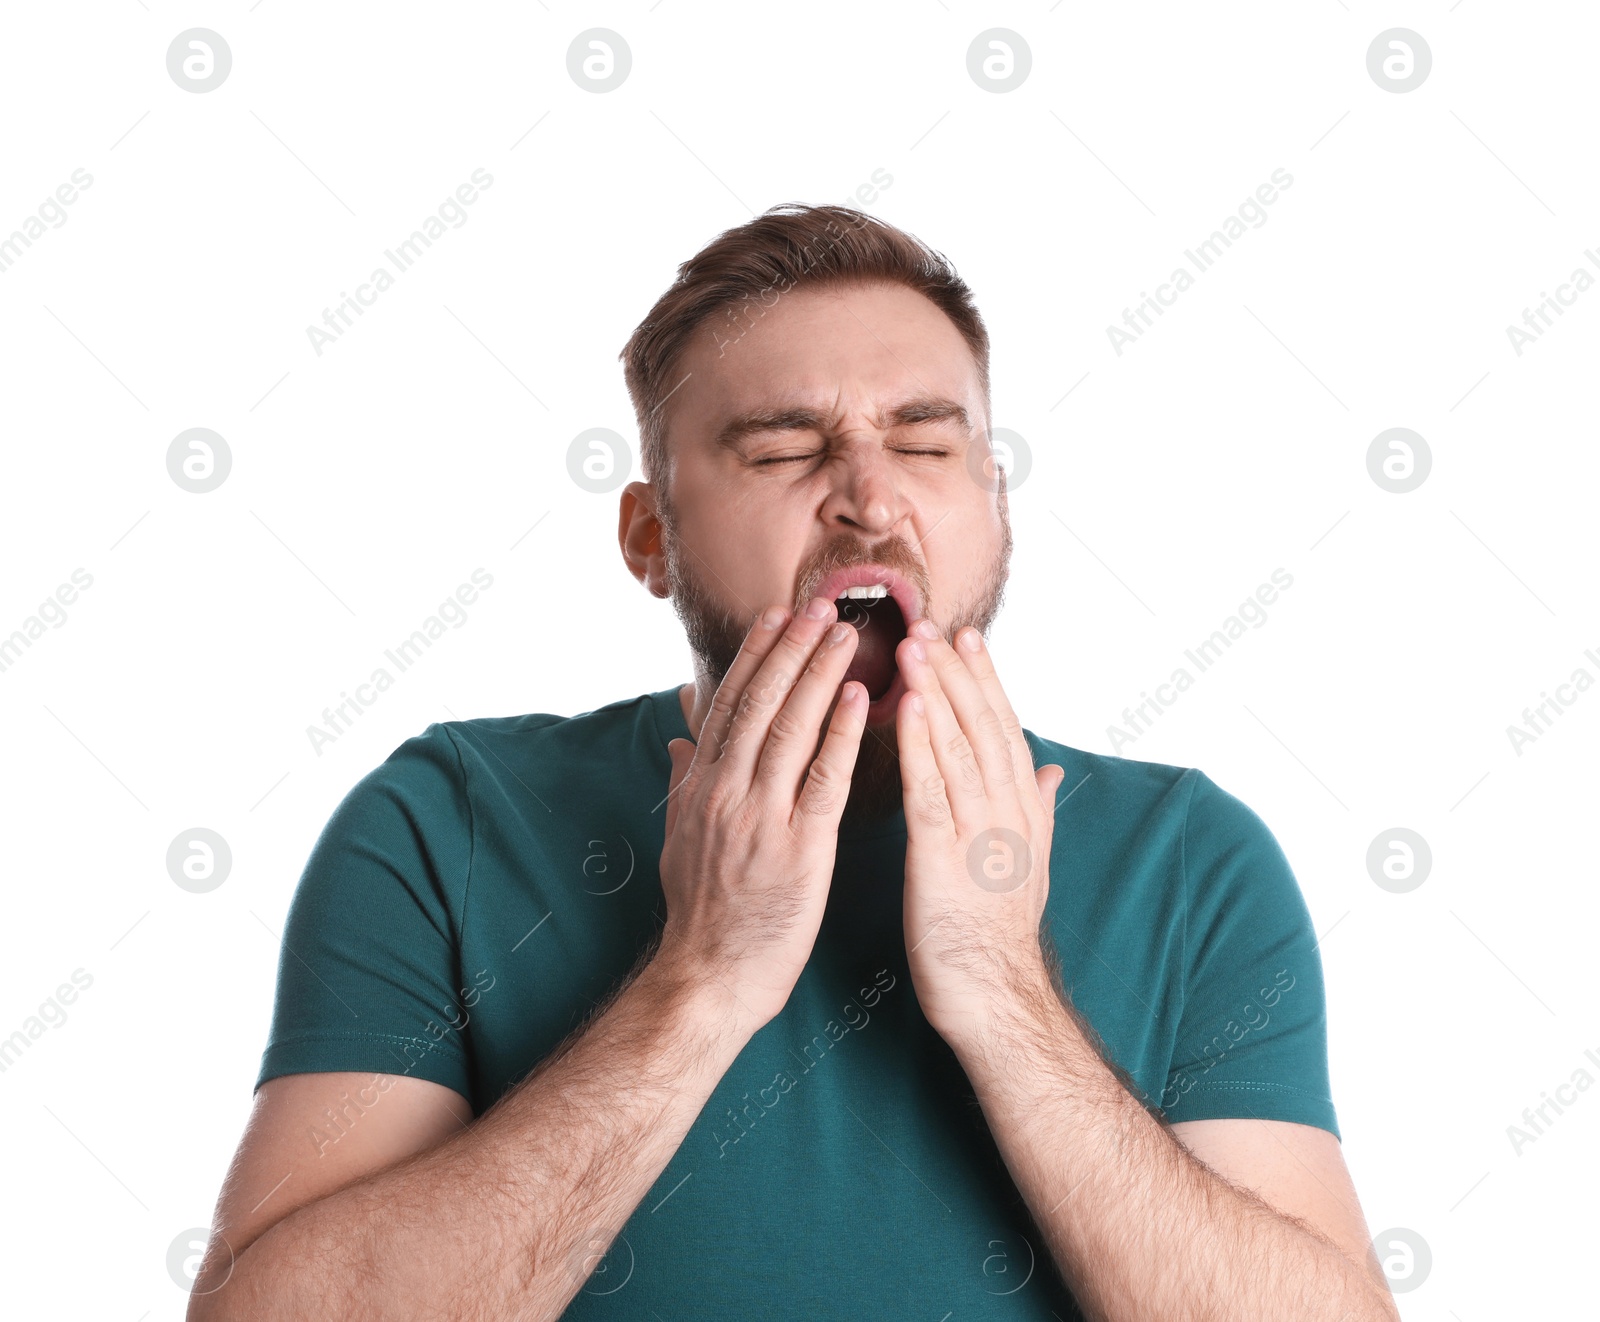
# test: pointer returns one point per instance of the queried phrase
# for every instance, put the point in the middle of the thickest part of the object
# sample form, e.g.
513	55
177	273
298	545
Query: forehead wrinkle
800	417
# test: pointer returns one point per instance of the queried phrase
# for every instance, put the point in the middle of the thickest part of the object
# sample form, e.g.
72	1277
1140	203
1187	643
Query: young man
818	986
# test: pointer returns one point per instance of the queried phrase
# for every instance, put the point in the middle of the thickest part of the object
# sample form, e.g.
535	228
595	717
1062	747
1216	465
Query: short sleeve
370	962
1252	1039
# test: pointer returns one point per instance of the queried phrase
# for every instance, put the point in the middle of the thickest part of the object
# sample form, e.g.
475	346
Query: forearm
508	1217
1137	1226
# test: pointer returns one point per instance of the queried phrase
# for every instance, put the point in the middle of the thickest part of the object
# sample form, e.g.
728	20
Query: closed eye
795	458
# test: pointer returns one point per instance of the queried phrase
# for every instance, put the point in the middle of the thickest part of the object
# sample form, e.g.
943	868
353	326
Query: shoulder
1174	821
1132	786
547	729
1123	786
492	764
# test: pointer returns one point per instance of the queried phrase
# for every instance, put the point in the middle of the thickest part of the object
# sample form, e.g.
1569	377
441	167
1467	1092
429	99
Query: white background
1167	483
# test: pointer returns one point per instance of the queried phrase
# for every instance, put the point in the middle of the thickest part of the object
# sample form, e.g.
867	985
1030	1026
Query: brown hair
789	246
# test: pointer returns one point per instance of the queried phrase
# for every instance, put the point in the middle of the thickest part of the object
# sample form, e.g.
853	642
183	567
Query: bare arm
509	1216
1140	1227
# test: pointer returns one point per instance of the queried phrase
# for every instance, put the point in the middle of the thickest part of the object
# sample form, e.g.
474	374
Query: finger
764	634
792	738
767	692
957	760
979	662
1049	779
681	751
927	804
978	720
827	784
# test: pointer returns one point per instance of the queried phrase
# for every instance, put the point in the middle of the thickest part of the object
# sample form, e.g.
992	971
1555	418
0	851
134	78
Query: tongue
880	633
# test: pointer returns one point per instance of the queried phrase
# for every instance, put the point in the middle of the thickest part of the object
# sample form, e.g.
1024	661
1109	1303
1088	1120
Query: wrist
696	998
1013	1017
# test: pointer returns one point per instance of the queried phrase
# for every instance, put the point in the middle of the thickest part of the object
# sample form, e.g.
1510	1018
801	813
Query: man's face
740	534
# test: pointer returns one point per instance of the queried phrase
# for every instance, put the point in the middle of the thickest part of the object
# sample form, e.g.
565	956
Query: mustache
893	553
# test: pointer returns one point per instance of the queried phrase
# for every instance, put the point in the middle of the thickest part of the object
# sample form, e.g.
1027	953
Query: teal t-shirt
473	898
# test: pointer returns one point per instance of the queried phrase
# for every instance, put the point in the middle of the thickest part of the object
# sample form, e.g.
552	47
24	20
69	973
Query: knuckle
765	776
1011	724
723	706
764	692
930	801
989	722
960	753
824	788
996	735
713	800
787	726
745	818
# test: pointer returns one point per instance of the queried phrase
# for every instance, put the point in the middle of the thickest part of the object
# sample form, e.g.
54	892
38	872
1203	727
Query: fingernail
970	640
818	607
918	650
925	629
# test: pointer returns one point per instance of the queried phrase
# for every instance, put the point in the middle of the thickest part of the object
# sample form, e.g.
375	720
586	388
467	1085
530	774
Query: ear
639	536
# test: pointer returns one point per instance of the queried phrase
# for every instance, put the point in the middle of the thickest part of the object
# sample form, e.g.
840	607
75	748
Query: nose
864	489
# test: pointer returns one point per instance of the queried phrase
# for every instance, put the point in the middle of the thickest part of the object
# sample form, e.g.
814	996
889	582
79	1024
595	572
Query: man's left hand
979	822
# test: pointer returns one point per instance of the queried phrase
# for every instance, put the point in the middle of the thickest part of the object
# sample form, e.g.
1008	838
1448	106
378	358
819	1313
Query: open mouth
881	624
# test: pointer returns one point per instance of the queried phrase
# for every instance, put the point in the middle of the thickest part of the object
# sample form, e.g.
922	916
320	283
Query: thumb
681	751
1049	779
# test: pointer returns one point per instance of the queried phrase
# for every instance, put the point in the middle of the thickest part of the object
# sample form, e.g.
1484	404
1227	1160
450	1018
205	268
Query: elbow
219	1296
1384	1308
215	1305
203	1307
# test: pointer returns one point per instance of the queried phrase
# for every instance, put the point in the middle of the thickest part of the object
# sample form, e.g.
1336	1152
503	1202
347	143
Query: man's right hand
751	832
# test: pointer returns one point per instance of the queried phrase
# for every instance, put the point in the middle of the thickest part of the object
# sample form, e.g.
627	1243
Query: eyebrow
922	408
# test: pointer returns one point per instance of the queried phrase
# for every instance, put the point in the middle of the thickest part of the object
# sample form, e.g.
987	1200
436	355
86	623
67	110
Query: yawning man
818	986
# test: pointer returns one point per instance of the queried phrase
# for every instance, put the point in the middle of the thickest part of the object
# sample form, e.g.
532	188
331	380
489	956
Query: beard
717	631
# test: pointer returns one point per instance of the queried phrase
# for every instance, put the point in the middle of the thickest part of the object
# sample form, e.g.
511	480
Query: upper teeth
870	591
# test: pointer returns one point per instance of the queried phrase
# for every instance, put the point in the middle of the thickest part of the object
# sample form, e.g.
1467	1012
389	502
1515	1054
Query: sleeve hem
366	1053
1254	1101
